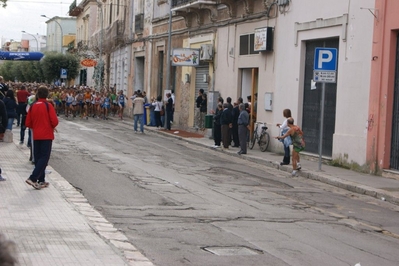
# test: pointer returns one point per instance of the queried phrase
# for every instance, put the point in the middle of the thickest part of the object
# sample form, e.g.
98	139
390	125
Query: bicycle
263	138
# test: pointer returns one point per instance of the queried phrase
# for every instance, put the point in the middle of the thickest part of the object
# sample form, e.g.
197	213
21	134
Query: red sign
88	62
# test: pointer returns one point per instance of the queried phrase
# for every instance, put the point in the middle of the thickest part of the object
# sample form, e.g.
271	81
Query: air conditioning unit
206	53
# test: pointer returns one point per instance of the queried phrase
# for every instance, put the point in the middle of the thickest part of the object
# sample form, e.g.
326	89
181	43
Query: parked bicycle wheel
264	141
253	140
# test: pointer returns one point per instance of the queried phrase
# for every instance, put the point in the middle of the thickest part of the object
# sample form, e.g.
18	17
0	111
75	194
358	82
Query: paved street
177	202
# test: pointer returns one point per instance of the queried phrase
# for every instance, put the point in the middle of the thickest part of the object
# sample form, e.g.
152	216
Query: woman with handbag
283	129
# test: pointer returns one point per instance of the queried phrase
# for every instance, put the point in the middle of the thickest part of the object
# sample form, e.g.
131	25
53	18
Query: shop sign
185	57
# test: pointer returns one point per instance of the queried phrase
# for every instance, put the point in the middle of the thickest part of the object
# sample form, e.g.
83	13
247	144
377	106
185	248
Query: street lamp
62	34
37	43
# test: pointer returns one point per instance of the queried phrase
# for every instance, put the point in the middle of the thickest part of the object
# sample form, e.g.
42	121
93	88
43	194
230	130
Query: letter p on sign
325	59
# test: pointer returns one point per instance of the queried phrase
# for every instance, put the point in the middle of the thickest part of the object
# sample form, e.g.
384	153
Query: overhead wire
36	2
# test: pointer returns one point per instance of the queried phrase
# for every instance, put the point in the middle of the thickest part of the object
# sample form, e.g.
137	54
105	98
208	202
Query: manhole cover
232	251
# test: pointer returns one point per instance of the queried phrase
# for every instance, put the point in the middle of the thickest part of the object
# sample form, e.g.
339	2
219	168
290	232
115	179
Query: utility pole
100	63
168	55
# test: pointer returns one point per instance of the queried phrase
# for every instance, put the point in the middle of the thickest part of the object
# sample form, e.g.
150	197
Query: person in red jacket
42	120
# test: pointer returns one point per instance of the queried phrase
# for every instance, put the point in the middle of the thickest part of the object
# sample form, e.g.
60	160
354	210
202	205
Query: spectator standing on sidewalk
234	130
138	111
284	128
169	110
243	123
198	101
3	125
298	142
158	104
22	98
11	107
4	119
3	88
226	122
42	120
217	128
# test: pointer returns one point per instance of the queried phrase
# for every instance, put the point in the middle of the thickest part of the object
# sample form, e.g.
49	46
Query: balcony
180	5
74	10
198	8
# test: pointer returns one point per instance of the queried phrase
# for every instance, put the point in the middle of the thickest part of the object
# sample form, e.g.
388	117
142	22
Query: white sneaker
216	146
298	166
2	178
294	173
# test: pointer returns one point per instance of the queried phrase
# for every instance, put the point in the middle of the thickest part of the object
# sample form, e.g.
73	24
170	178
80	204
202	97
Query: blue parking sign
325	59
64	73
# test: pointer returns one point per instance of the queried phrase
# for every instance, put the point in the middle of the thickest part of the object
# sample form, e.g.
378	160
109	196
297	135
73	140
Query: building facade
59	32
383	117
265	48
86	14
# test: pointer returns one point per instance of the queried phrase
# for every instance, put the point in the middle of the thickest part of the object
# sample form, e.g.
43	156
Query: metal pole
323	89
100	63
168	55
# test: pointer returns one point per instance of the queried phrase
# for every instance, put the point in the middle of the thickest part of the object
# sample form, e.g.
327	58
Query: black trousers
226	137
217	134
242	135
235	135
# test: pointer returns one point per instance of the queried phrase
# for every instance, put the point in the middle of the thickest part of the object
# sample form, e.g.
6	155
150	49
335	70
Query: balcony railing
176	3
74	10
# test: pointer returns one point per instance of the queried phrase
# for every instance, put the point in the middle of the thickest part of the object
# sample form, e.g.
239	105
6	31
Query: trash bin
146	113
209	121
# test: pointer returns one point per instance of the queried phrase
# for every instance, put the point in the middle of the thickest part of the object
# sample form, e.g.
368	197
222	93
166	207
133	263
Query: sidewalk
56	225
376	186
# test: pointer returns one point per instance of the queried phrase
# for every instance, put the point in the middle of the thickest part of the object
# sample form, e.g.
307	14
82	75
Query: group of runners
85	102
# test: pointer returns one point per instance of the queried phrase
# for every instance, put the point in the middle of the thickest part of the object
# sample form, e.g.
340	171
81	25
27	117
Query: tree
4	3
52	63
5	70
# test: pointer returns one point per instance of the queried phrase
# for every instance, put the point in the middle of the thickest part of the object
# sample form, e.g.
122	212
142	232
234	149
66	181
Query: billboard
185	57
21	56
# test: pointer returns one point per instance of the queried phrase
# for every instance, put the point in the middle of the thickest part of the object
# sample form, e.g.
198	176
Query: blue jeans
9	124
42	151
136	119
286	154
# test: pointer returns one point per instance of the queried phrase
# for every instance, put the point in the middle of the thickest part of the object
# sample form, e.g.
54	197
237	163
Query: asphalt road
181	204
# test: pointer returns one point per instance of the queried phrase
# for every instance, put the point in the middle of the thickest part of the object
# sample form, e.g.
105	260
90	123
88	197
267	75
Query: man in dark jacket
198	102
3	125
243	122
4	119
3	88
42	120
235	113
226	122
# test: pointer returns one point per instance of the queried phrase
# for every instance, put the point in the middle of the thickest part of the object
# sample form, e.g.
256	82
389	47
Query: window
110	14
247	44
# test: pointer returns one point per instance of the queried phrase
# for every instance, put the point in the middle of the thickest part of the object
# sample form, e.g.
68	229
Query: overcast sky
25	15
